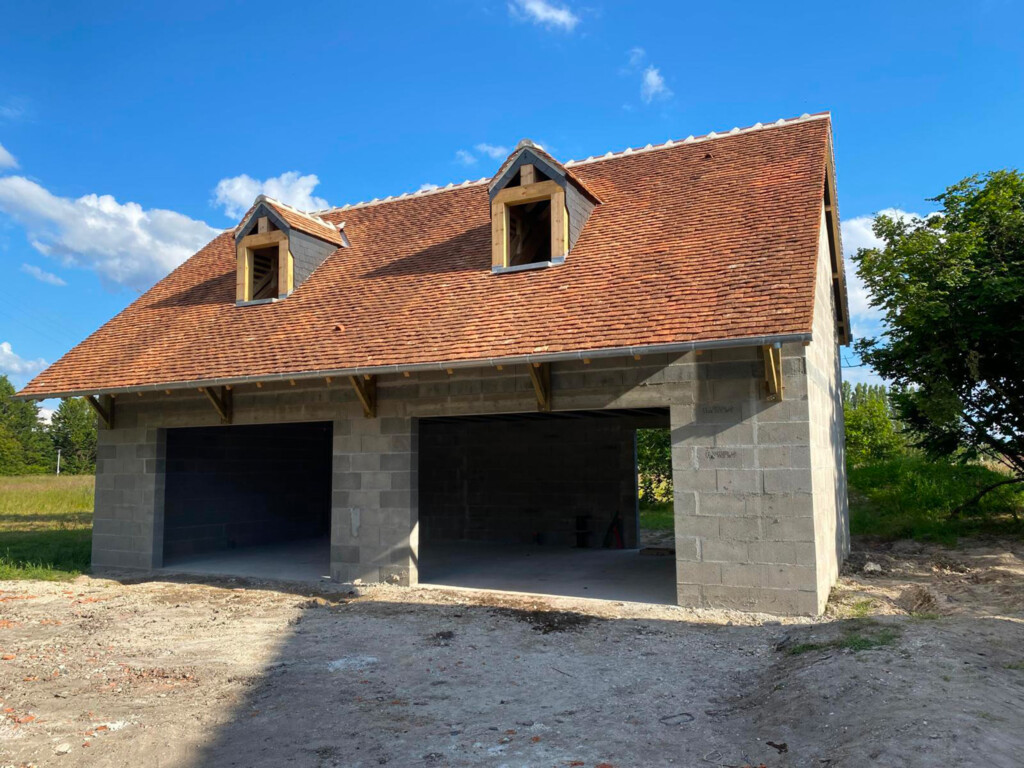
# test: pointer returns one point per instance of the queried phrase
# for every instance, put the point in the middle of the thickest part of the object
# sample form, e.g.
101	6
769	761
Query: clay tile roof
705	239
296	219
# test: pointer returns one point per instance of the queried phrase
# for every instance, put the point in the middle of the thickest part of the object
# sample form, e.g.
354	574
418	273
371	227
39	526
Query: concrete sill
524	267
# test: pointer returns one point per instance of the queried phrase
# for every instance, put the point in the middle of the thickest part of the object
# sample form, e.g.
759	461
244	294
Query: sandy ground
137	672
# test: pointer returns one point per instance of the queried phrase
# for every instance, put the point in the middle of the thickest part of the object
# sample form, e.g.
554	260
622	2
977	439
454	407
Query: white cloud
7	159
464	157
45	415
652	86
636	57
492	151
236	194
14	365
545	13
13	110
428	187
857	234
42	275
123	243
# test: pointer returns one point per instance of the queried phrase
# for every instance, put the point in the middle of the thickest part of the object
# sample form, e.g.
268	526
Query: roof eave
378	370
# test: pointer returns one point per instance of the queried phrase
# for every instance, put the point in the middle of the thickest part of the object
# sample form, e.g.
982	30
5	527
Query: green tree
654	463
951	290
73	431
871	431
20	422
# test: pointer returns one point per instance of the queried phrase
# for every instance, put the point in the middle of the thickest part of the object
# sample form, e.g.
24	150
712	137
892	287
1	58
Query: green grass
911	498
865	640
45	526
657	515
1018	665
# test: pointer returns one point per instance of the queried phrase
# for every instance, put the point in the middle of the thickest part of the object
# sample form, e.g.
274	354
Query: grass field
45	526
911	497
657	515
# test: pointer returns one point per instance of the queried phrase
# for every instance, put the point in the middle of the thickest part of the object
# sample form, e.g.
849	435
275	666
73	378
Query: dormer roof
290	218
528	152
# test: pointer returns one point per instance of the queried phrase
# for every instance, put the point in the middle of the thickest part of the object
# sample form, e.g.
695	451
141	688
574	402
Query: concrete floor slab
604	574
306	560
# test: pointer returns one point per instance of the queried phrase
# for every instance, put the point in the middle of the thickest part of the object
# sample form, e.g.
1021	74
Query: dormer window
537	211
264	264
277	248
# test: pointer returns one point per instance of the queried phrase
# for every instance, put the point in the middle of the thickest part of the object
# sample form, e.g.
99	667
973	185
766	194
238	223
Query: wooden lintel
264	239
773	372
221	401
540	375
104	409
366	391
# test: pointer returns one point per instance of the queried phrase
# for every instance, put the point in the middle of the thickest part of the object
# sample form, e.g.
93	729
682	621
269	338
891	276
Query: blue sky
130	133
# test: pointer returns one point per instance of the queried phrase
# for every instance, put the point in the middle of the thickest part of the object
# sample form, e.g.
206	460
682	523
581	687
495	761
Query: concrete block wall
375	518
745	516
527	481
128	517
745	509
828	438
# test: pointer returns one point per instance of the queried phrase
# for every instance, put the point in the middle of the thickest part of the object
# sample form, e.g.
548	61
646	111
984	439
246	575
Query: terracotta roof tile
694	242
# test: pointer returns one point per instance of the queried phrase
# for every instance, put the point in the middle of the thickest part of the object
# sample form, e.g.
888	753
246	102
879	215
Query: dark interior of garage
536	502
236	488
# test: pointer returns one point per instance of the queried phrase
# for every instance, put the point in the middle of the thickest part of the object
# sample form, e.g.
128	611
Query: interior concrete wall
530	480
239	486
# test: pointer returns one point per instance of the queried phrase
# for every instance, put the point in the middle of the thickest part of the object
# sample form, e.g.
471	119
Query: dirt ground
919	662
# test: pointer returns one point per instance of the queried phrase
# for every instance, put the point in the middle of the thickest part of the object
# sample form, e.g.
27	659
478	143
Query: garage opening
251	501
539	503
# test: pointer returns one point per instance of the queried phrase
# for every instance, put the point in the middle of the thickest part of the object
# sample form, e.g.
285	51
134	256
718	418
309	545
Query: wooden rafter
104	409
540	375
366	391
221	400
773	372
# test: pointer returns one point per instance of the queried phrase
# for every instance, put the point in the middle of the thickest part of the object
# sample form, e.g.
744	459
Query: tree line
29	446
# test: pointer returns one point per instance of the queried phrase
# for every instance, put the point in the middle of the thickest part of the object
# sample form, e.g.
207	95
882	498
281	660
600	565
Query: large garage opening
252	501
539	503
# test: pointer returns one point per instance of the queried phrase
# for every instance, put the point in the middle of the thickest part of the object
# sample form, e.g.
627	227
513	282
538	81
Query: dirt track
158	673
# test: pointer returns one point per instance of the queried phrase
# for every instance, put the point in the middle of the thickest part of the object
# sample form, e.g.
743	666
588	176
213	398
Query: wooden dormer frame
264	237
522	195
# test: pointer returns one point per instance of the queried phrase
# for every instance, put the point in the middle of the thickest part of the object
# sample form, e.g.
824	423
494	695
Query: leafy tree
871	432
951	289
20	422
654	463
73	431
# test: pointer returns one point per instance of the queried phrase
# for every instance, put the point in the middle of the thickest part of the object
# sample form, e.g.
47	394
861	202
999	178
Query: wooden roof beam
366	391
540	375
104	407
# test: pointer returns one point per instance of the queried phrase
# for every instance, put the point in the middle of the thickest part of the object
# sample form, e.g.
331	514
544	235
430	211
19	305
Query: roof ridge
691	139
312	216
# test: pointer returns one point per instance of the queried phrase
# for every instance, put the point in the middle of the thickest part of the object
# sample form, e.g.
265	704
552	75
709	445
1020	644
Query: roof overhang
378	370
